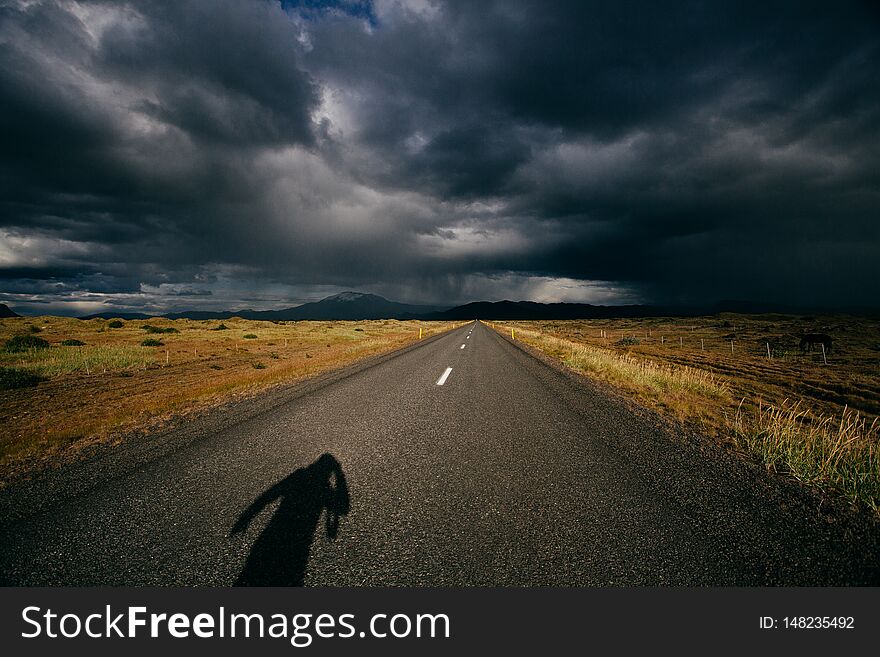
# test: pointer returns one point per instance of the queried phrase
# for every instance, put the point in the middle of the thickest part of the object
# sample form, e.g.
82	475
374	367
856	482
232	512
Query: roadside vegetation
744	379
79	383
839	453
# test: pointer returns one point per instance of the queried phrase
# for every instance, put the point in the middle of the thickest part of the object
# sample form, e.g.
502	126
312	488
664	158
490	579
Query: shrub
12	378
116	323
19	343
71	342
249	336
628	341
259	366
152	342
221	327
34	329
149	328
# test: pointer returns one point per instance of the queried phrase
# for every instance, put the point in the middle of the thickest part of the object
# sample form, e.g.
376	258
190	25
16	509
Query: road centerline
444	376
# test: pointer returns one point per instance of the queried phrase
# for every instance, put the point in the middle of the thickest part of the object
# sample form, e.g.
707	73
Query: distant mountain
357	306
207	314
513	310
119	316
758	308
344	306
6	311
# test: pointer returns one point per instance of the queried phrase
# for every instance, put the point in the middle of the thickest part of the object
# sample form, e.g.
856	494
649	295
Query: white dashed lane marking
444	376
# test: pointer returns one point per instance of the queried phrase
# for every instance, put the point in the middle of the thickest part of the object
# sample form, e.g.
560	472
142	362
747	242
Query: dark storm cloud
165	154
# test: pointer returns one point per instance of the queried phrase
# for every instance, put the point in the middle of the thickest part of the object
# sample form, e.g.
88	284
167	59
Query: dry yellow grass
112	384
828	437
687	391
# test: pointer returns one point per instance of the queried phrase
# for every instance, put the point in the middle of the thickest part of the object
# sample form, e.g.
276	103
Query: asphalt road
511	472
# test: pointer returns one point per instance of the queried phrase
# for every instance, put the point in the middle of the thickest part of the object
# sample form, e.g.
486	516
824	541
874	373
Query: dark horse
809	340
280	554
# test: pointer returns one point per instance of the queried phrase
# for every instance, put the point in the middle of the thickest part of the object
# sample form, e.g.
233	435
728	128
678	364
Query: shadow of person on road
280	554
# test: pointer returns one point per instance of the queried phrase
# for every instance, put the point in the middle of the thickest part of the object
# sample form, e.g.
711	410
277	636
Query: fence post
825	360
768	352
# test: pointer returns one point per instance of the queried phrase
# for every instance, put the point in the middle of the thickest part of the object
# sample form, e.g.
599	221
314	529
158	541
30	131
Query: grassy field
68	383
744	379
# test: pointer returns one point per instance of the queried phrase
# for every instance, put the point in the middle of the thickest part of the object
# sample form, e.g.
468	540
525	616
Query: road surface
462	460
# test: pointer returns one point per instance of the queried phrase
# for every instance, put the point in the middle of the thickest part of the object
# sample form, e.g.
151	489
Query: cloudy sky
222	154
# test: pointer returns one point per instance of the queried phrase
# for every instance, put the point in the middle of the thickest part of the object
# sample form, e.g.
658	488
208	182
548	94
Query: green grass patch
89	359
840	453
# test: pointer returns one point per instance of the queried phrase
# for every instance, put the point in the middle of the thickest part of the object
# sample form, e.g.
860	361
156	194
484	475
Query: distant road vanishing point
460	460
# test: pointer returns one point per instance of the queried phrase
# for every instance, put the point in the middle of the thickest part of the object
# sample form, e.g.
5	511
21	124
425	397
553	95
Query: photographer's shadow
280	554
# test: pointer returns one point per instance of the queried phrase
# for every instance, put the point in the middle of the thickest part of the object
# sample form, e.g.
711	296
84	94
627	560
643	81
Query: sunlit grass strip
627	370
66	360
840	453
